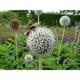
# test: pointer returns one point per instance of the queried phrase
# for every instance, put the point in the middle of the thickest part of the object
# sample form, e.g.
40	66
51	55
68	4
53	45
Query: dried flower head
64	21
14	24
41	41
28	58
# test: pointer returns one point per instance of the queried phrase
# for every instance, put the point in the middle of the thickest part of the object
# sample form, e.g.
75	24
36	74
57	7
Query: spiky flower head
38	12
14	24
41	41
64	21
28	58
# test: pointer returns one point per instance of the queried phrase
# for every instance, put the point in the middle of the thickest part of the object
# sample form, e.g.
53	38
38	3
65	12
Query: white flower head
64	21
41	41
28	58
38	12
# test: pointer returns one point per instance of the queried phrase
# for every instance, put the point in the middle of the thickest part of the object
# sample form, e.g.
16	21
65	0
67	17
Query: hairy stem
78	38
61	43
16	48
40	63
75	36
38	18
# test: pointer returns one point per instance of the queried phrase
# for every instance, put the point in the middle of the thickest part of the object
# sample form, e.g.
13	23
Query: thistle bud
28	58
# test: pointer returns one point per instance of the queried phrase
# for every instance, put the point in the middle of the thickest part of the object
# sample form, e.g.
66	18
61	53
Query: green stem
75	35
78	39
40	63
61	43
38	18
76	45
56	36
16	48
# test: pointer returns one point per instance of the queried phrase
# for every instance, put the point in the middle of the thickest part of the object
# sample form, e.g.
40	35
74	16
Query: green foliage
69	58
52	19
8	54
21	15
49	19
5	17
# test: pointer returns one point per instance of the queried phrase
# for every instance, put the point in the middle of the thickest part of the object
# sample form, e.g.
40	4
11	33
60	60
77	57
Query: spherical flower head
64	21
41	41
38	12
28	58
14	24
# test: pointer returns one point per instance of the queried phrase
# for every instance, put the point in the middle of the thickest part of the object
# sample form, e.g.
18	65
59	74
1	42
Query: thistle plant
41	41
28	60
14	24
64	21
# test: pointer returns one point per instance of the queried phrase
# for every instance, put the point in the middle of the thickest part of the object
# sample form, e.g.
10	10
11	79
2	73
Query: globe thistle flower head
14	24
28	58
64	21
41	41
38	12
